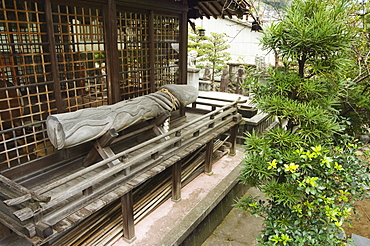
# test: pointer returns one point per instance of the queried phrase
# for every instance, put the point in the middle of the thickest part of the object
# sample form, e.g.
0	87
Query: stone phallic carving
70	129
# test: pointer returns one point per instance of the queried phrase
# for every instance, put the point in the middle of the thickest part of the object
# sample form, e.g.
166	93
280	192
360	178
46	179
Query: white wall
244	44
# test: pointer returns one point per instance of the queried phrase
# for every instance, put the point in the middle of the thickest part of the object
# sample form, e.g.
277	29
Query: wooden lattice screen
166	49
79	41
134	54
53	60
27	95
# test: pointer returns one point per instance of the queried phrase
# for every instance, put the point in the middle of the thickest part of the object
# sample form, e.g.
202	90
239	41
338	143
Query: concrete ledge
197	215
172	222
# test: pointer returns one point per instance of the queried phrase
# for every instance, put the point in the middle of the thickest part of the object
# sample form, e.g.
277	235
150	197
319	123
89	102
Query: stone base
205	85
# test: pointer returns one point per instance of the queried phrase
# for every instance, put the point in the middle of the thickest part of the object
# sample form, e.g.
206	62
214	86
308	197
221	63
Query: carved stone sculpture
192	57
207	73
70	129
224	79
240	79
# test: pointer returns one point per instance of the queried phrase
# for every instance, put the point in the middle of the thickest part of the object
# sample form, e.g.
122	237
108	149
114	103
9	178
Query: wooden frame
70	43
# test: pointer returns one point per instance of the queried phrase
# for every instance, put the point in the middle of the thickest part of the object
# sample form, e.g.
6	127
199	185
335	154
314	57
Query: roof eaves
211	10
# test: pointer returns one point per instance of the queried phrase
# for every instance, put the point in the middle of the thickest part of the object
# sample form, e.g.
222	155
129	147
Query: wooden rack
41	213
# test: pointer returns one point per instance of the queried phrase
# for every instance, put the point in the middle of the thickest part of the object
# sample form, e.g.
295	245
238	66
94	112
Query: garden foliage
307	168
211	50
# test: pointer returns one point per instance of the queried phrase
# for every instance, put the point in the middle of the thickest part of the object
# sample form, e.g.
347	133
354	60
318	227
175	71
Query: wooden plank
43	230
82	201
222	96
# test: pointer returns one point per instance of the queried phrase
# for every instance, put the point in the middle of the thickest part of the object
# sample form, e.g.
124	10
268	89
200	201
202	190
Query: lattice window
80	45
166	49
26	89
133	46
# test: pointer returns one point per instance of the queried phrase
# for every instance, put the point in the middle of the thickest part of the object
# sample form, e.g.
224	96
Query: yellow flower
317	149
291	167
338	167
311	181
272	164
338	224
326	161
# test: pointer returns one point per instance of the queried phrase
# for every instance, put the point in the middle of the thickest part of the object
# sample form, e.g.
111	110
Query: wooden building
60	56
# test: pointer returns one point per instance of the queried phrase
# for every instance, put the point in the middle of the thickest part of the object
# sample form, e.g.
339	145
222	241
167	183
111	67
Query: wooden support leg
157	128
182	110
233	134
209	157
127	205
102	142
176	182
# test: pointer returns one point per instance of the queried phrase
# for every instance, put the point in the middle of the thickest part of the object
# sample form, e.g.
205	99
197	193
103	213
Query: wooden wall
61	56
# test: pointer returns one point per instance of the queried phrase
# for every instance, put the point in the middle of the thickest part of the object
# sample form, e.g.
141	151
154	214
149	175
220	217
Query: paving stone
360	241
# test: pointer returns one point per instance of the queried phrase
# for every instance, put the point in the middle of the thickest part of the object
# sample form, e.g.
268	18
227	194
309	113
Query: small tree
211	50
309	181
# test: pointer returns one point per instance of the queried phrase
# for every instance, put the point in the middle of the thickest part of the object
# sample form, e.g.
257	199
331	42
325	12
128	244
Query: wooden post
111	52
127	205
53	57
176	182
182	110
152	52
209	157
233	134
183	56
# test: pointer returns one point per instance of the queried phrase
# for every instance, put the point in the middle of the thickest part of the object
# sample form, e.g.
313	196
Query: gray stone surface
360	241
239	228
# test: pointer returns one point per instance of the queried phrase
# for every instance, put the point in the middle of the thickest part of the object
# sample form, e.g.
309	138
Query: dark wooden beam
102	142
209	157
163	5
53	56
183	46
176	182
151	52
127	205
233	134
204	11
110	24
217	6
210	9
